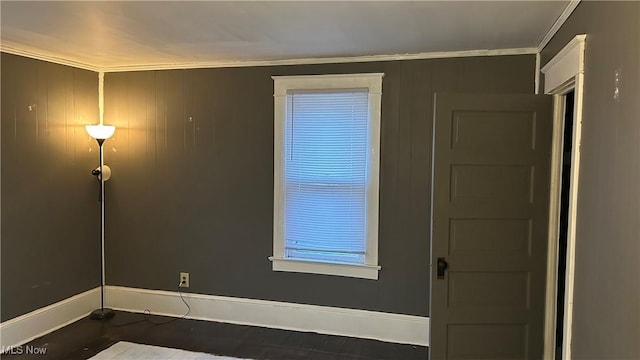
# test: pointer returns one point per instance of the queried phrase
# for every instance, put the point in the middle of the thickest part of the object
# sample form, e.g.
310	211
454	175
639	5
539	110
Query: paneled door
491	161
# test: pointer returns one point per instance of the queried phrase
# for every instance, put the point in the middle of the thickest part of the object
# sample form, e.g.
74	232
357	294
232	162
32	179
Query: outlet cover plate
184	276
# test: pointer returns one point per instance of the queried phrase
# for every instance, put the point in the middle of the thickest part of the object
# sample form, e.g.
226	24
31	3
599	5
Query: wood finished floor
85	338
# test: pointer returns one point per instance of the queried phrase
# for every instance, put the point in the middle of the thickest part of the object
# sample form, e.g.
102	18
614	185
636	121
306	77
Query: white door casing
563	73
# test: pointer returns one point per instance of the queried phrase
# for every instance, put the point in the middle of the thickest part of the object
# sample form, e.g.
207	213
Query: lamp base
101	314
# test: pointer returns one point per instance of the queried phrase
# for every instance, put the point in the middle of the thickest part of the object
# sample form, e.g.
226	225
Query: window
326	174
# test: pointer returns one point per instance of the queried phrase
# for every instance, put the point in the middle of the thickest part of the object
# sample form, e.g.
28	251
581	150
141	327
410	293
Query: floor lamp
103	173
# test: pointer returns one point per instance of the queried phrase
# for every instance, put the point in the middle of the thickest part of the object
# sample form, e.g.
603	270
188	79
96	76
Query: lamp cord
147	313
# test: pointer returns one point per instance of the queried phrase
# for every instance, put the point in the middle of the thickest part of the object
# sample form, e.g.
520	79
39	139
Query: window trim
283	84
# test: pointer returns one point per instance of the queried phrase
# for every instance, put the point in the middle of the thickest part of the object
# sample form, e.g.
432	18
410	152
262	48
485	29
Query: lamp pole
102	267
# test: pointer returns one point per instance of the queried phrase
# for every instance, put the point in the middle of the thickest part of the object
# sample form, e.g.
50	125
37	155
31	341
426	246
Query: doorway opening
567	148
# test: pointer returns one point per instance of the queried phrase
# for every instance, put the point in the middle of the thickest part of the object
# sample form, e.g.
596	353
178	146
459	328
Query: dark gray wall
606	319
49	249
192	188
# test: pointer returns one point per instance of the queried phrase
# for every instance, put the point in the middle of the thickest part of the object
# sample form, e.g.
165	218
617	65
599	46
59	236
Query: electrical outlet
184	279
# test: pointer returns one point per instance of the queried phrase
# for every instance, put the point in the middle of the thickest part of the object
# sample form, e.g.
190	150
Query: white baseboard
24	328
397	328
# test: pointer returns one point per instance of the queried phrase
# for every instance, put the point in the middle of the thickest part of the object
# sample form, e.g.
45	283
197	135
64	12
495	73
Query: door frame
563	73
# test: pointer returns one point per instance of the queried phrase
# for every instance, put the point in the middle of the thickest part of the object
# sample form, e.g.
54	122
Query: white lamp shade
100	132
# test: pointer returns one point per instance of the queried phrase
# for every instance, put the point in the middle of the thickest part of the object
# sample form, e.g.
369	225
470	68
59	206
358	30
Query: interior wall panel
607	265
49	199
193	179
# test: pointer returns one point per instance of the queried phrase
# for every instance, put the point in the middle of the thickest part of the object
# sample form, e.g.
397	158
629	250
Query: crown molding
22	50
568	10
41	55
325	60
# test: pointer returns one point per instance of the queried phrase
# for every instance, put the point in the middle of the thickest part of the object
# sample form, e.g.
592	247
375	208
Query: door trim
563	73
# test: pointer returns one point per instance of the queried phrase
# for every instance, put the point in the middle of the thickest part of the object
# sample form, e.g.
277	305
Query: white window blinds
325	175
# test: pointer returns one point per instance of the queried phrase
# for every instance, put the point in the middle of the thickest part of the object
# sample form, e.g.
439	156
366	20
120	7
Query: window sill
312	267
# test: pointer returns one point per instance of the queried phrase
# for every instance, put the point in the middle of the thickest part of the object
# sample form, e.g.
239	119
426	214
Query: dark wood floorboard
85	338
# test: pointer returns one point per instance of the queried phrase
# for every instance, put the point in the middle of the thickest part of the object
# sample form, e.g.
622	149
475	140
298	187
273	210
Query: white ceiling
136	34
